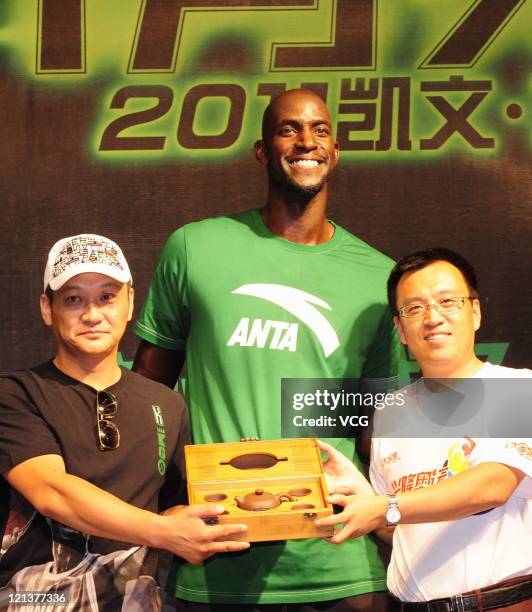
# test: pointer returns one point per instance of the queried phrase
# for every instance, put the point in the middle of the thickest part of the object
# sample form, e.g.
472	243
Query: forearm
79	504
475	490
483	487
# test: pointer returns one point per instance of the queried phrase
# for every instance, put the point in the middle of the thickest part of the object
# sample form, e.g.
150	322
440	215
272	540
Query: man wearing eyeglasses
461	507
90	453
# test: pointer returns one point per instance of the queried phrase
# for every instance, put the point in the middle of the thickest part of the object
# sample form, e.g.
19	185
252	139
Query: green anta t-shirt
251	308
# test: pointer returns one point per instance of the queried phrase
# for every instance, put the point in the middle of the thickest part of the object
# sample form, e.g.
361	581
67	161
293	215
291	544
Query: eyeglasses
108	434
446	305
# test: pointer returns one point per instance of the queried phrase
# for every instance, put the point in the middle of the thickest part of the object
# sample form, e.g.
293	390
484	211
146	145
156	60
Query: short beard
302	194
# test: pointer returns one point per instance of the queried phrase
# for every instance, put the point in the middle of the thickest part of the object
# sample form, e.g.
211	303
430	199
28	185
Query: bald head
285	99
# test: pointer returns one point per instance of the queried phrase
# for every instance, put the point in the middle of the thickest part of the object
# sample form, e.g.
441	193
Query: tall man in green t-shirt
249	299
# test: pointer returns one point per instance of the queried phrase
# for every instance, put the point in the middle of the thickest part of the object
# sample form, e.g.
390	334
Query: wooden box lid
282	458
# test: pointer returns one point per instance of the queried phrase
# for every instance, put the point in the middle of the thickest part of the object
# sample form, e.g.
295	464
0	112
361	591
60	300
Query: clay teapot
261	500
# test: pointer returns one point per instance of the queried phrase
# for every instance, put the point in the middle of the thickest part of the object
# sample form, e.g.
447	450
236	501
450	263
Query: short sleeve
375	476
24	434
383	357
164	319
513	452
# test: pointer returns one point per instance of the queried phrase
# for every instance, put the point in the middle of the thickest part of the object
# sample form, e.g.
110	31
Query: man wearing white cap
91	452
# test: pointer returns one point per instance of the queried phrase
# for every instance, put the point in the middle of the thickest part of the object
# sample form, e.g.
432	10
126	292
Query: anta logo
273	334
280	335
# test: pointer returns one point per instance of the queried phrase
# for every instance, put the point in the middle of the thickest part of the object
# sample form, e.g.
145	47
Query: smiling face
88	315
443	344
298	147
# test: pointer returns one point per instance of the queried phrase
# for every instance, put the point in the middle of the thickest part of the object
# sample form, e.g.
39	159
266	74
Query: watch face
393	515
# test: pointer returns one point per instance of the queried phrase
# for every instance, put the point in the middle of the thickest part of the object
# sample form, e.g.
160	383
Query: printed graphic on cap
86	249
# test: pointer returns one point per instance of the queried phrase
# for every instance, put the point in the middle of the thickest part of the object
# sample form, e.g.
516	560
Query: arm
79	504
160	364
380	373
343	477
480	488
164	322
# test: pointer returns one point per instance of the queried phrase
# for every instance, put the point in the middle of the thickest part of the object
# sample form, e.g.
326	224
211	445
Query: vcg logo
282	335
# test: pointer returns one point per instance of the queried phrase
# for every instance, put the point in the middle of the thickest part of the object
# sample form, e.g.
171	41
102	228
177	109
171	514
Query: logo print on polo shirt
282	335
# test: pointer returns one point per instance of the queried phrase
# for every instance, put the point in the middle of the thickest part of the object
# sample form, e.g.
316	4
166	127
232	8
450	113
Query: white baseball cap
84	253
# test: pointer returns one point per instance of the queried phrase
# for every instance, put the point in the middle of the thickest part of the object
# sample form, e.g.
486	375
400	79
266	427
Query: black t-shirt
43	411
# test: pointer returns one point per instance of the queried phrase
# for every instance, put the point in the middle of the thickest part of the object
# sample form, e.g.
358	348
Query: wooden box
219	473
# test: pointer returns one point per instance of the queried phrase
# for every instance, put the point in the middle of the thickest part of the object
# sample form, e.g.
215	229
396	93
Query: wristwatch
393	515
